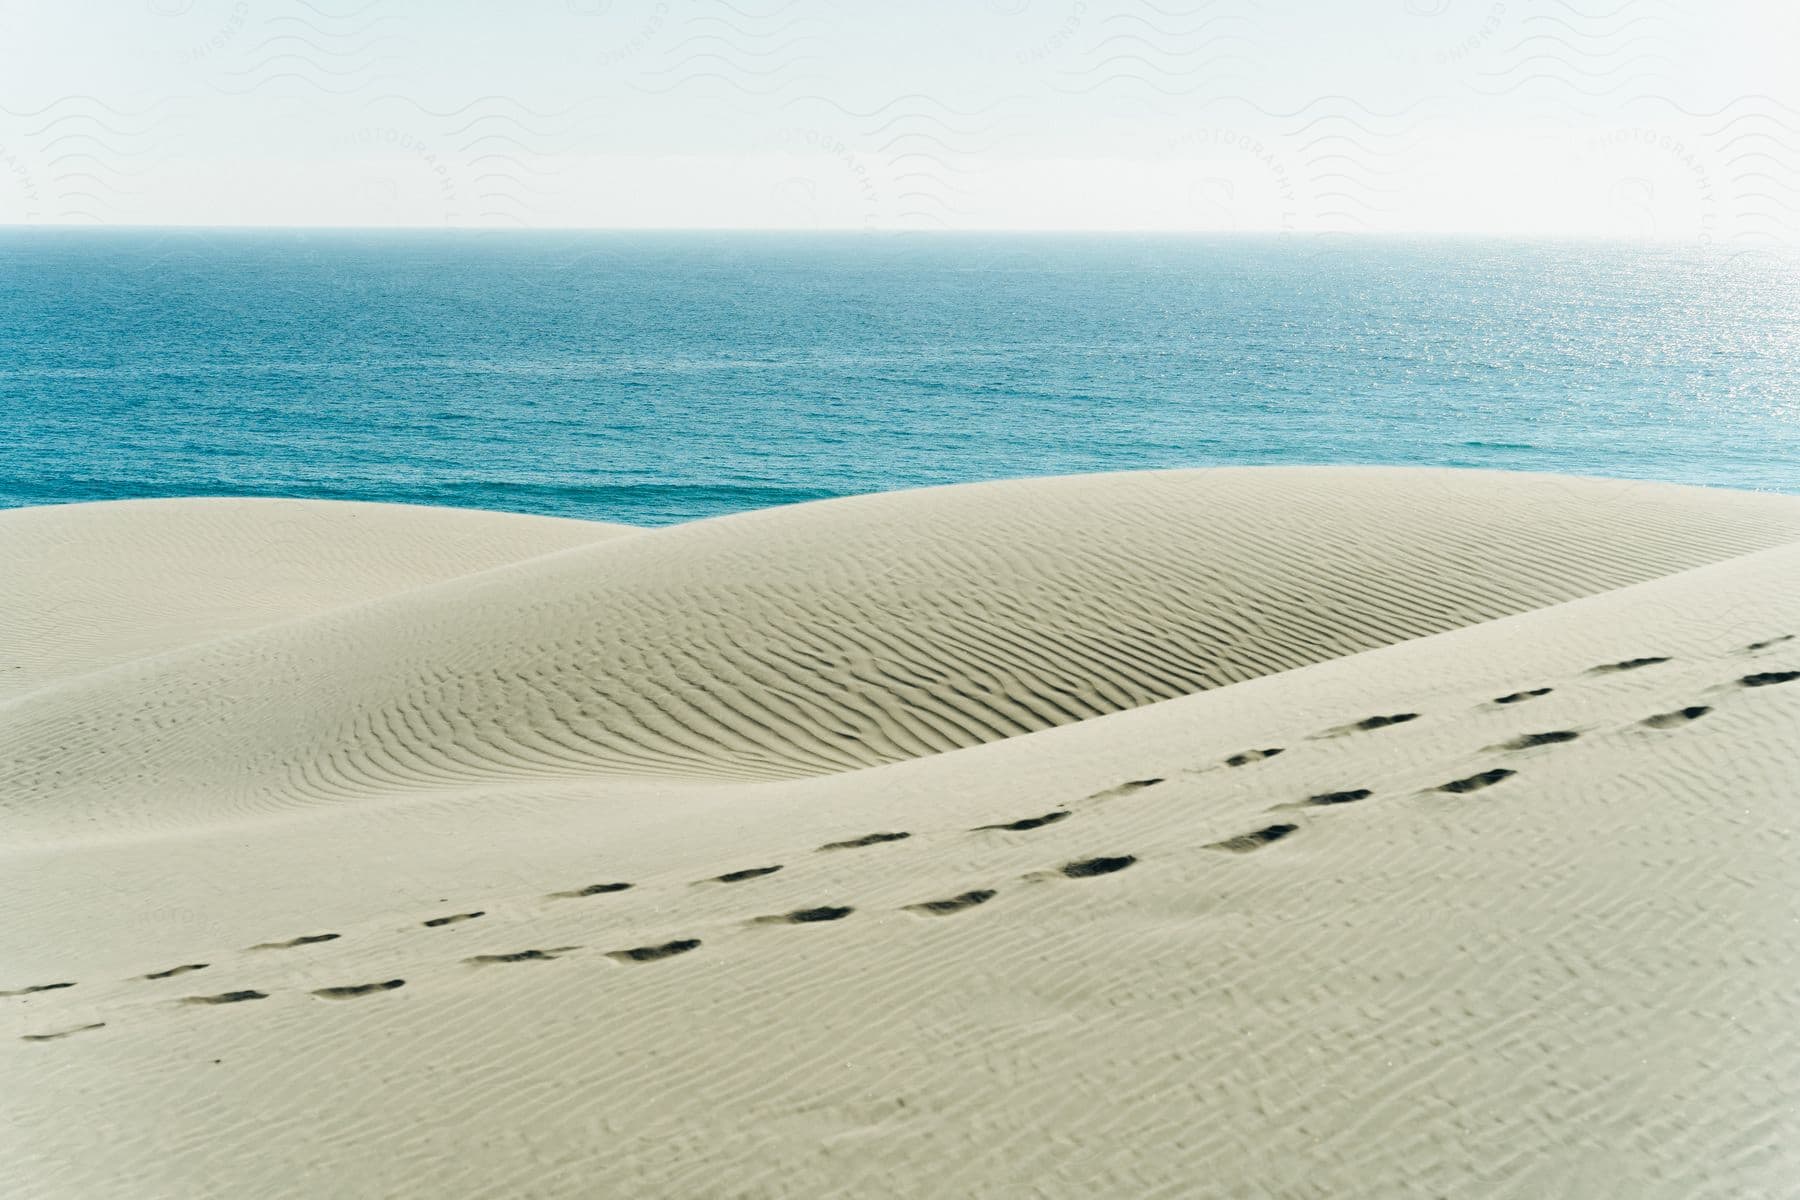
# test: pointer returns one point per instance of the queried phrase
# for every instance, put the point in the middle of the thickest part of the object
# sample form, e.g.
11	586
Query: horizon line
1009	230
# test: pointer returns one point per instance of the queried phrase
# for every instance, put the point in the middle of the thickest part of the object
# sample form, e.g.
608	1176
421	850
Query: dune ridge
841	635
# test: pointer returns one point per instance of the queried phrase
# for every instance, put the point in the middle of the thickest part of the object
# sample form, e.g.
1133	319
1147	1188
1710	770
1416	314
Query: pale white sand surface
91	585
1449	818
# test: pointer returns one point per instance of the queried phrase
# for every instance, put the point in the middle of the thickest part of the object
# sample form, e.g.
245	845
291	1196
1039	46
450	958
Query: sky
1672	120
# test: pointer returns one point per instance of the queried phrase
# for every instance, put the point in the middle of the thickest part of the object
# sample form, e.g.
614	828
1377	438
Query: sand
107	583
1296	832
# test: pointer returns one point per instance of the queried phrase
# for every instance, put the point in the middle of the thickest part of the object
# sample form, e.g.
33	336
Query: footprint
1125	789
746	873
359	989
522	956
61	1033
1682	716
956	904
807	916
1327	798
592	889
1474	783
452	919
1368	723
1630	664
1766	678
1024	823
226	997
652	953
1753	647
1250	756
299	941
1515	697
1384	722
37	987
868	839
1553	738
174	971
1243	843
1087	868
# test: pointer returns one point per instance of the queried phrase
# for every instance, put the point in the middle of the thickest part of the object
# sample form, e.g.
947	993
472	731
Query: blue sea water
652	378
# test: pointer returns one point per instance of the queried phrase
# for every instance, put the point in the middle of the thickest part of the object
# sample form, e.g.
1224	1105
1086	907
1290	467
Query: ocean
655	378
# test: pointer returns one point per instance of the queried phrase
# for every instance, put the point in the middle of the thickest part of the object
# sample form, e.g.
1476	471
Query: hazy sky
1676	119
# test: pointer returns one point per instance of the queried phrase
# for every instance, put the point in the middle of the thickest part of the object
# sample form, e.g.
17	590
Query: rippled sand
1234	832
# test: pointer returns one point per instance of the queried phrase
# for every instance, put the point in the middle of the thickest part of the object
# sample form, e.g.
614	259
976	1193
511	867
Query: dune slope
833	636
1506	910
94	585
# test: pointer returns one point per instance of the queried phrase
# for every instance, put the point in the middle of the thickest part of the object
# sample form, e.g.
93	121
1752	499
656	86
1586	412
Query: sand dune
116	581
834	636
1458	858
